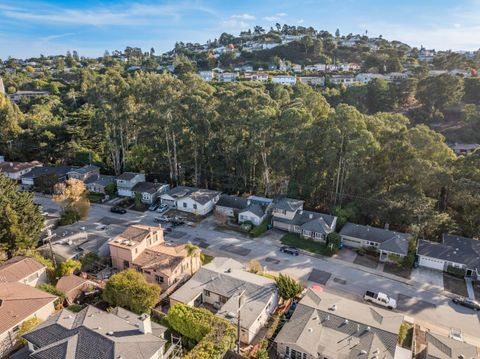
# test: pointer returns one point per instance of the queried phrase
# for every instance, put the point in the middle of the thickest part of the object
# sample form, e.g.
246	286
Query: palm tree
192	252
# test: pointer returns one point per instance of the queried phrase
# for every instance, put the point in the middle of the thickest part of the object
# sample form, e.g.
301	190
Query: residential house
312	80
296	68
284	80
461	72
32	178
94	333
316	67
228	76
218	285
97	184
150	191
453	251
25	270
397	76
206	75
441	347
464	148
19	303
426	55
252	209
84	173
143	248
365	78
289	215
260	76
74	287
15	170
17	96
126	181
327	326
190	199
347	80
388	243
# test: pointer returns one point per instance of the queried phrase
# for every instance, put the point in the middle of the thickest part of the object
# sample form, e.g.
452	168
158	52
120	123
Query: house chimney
145	324
310	215
248	202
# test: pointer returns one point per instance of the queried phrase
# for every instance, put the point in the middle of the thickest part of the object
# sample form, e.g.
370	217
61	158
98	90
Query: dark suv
290	250
117	209
468	303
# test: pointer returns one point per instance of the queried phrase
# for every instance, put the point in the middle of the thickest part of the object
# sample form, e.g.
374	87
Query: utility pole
240	304
50	235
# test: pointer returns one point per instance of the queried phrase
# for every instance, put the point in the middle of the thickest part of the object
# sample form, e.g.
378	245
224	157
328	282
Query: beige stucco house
144	249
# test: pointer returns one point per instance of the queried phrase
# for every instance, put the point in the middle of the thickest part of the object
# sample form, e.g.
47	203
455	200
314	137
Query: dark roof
288	204
312	220
199	195
86	169
127	176
101	180
58	170
181	191
93	333
232	201
390	241
149	187
256	209
453	249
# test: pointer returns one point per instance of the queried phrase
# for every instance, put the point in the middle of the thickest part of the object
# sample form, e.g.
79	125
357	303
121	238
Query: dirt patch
366	261
396	269
455	285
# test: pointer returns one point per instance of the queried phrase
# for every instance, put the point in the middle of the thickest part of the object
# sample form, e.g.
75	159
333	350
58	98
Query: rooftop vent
368	329
333	307
310	330
346	321
110	333
230	315
363	352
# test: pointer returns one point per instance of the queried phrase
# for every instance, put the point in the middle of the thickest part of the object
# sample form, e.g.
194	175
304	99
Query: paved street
426	302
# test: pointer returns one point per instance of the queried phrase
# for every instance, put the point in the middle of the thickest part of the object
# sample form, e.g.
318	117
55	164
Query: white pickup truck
380	299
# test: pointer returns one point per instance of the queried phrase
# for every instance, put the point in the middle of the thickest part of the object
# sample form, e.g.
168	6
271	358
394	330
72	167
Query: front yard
397	269
294	240
455	285
366	260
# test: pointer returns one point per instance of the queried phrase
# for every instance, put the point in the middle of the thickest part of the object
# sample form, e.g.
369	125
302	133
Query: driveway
427	275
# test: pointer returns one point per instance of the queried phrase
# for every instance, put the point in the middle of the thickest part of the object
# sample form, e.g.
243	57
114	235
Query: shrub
247	226
334	240
214	336
75	308
68	267
457	272
288	287
205	258
111	189
257	231
129	289
49	288
26	326
409	259
254	266
68	216
405	335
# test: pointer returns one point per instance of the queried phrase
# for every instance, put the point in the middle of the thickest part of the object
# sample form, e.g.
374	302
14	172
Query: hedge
214	336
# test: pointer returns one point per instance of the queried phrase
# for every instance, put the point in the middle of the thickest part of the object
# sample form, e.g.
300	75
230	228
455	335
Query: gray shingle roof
148	187
232	201
314	219
101	180
86	169
454	249
446	348
389	240
86	335
256	209
127	176
288	204
59	171
342	333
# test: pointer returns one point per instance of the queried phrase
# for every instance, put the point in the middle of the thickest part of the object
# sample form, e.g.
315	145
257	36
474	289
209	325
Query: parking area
427	275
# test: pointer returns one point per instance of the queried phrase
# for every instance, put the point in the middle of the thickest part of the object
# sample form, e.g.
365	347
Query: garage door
431	263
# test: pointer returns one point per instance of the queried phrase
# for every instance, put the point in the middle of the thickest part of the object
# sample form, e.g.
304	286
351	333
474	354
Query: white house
365	78
220	284
150	191
25	270
228	76
206	75
15	170
347	80
312	80
126	181
284	80
190	199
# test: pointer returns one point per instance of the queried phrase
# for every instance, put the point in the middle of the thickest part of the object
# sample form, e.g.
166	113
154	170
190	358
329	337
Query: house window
207	293
138	268
194	206
223	299
126	264
184	205
287	351
16	328
159	279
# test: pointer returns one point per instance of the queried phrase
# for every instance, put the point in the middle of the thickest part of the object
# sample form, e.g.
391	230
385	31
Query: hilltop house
191	199
126	181
218	285
385	241
19	303
144	249
83	173
284	80
289	215
15	170
453	251
347	80
23	270
327	326
94	333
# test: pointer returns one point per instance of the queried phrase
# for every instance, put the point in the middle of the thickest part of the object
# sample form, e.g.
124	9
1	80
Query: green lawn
257	231
294	240
205	258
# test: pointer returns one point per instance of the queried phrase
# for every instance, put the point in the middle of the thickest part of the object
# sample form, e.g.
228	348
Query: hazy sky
30	28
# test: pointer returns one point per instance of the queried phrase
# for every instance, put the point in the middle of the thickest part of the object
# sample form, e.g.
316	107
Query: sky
32	27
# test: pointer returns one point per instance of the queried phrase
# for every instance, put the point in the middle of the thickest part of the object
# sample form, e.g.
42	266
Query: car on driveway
466	302
162	208
290	250
117	209
153	207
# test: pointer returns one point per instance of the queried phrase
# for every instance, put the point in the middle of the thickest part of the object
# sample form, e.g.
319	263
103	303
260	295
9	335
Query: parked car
154	207
290	250
466	302
117	209
161	219
381	299
162	208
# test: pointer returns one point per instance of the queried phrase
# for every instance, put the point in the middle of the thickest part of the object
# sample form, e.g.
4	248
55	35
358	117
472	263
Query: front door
469	273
